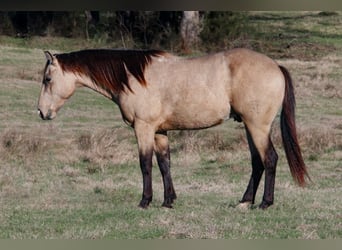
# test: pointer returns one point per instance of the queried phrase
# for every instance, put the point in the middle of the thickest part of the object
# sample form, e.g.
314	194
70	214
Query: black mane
107	68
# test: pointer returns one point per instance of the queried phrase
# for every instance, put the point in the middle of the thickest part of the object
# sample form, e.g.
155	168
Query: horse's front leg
161	147
145	138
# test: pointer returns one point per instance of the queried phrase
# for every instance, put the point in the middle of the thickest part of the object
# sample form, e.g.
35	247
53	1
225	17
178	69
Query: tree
28	23
92	18
190	30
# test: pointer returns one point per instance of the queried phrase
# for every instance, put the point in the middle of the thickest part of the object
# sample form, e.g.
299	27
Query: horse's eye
47	79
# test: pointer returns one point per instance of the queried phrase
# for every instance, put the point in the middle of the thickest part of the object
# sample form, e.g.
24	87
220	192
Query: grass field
77	177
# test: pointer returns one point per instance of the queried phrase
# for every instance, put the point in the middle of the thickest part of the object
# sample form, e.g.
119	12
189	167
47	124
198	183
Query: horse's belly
198	118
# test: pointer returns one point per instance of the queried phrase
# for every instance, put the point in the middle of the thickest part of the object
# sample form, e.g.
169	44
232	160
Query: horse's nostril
41	114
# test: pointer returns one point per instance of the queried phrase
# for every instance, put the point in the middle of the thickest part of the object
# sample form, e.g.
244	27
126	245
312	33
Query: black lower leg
163	159
146	170
271	159
257	171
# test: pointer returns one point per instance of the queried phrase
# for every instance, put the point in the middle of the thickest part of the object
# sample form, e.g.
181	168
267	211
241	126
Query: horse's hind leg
257	171
162	150
271	158
264	157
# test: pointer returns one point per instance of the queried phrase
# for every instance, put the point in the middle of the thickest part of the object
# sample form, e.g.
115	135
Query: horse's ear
48	56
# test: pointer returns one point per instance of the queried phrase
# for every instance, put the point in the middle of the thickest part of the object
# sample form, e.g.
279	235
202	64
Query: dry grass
107	145
21	144
312	77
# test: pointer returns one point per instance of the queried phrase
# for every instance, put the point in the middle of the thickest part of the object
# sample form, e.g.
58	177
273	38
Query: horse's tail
289	133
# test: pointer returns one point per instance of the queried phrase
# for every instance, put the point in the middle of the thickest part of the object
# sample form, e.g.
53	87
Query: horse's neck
83	81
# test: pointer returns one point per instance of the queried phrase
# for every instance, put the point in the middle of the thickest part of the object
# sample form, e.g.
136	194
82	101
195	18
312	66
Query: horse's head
57	87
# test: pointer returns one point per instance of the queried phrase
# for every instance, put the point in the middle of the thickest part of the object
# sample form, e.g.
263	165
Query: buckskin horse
157	92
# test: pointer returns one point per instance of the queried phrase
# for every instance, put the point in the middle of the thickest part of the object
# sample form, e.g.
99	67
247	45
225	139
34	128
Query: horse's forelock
107	68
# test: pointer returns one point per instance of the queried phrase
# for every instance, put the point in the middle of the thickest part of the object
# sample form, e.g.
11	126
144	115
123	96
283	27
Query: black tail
289	133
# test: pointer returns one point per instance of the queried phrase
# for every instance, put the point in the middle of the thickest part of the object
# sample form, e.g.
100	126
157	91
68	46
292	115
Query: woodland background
180	31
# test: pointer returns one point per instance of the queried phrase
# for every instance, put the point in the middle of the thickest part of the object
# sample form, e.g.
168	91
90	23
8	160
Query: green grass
78	177
304	35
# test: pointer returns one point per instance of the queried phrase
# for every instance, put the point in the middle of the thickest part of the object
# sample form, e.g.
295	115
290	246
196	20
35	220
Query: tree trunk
190	29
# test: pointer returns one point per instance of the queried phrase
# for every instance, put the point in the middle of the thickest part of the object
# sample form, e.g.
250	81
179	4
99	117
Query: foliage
142	29
221	29
134	29
149	29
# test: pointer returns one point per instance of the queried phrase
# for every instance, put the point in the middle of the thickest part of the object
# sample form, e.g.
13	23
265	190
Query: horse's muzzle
48	116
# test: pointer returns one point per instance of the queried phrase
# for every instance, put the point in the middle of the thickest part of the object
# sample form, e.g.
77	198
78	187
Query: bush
129	29
157	29
6	27
224	30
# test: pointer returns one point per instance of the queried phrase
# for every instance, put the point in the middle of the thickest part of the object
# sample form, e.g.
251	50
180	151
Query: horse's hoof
144	203
168	203
264	205
244	205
